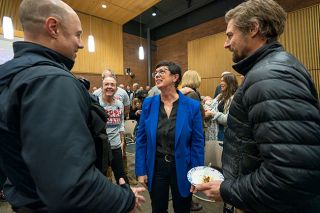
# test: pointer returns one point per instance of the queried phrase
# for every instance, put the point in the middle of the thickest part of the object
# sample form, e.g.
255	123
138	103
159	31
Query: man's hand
211	189
143	180
139	198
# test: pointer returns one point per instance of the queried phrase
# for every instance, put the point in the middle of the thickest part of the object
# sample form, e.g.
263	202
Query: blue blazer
189	140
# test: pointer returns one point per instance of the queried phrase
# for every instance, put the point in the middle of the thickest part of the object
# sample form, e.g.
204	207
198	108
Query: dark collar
246	64
23	47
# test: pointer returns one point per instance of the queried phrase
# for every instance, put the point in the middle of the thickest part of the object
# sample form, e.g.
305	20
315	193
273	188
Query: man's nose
226	44
80	46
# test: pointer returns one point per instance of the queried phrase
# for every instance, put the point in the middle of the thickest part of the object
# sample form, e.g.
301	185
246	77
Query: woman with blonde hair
192	80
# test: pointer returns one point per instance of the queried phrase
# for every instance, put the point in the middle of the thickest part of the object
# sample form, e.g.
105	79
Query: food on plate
206	179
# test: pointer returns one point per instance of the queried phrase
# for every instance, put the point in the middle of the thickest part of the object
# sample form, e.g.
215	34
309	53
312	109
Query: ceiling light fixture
141	50
103	5
8	31
91	44
154	11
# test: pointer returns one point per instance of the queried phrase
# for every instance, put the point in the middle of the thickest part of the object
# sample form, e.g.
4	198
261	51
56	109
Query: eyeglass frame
161	72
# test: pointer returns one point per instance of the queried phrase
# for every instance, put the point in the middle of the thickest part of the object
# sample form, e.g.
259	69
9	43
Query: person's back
46	144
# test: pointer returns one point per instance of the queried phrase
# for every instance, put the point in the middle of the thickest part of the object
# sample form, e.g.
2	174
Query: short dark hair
173	68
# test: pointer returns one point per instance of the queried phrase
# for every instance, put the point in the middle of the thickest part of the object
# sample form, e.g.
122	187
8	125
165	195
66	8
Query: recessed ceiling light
154	14
103	5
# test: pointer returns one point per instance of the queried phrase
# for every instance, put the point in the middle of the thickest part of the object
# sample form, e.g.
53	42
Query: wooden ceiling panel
117	11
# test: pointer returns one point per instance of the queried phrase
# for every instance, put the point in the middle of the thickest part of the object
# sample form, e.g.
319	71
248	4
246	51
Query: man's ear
51	26
254	30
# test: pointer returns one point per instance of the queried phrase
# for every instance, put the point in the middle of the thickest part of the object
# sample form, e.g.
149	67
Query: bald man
47	150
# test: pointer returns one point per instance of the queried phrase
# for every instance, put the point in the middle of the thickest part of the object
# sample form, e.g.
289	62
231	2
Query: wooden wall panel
175	47
208	56
302	39
109	46
301	36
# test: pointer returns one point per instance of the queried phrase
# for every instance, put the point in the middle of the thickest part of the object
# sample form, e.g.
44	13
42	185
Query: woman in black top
169	142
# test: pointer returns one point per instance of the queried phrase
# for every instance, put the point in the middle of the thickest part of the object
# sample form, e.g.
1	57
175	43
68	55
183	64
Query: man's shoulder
278	59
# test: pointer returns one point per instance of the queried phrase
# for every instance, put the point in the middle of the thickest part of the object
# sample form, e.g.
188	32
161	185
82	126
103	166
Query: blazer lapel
155	106
181	116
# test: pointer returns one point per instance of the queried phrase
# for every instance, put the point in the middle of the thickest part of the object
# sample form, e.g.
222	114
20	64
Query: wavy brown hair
268	14
232	86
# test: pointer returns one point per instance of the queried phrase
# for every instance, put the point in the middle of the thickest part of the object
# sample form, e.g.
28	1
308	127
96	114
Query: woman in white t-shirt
115	125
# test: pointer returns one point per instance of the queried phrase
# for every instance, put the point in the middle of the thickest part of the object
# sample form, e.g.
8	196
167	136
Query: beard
236	57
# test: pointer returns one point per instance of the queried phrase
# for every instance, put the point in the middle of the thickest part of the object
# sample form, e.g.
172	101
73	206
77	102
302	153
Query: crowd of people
268	126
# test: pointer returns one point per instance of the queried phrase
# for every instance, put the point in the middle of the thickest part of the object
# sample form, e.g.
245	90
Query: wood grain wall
175	47
302	39
209	58
109	47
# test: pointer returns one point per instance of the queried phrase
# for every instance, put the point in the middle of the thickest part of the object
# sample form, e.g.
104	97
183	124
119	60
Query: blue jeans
165	176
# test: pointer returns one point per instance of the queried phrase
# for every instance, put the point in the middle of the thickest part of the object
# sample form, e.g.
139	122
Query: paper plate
201	174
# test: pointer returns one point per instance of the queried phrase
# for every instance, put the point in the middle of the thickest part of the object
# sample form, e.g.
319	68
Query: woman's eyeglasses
161	72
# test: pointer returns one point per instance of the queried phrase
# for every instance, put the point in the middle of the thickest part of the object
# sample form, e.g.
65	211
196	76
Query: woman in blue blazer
169	142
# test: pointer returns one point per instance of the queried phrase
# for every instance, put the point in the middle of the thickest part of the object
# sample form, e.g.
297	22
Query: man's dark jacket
271	153
46	146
